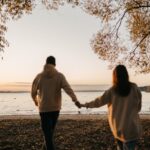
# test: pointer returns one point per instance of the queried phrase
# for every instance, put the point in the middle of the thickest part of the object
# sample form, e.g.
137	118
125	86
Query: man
46	93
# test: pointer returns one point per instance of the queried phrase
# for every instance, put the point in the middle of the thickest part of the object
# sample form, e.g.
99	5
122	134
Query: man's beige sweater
122	112
46	89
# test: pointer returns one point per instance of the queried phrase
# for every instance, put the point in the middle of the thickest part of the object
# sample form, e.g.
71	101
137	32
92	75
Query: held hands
79	105
83	105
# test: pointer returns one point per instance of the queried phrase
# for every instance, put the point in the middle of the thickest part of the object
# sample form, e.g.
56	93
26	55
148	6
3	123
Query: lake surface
20	103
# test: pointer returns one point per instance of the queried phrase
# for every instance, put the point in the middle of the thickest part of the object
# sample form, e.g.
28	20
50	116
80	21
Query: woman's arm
99	101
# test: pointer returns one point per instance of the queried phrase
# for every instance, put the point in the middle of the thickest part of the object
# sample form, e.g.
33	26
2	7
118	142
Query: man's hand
77	103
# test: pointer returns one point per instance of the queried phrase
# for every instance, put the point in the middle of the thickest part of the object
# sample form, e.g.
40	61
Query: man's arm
67	88
34	89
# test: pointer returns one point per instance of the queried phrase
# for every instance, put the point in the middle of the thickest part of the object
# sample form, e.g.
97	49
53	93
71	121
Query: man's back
47	89
49	86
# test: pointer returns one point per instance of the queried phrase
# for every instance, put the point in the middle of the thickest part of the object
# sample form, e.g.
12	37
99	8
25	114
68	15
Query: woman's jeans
48	123
132	145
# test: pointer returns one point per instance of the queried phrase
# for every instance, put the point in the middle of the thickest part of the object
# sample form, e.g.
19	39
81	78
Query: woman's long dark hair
121	81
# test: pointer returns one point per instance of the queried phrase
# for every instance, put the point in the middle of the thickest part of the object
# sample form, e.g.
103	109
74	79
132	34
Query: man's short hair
51	60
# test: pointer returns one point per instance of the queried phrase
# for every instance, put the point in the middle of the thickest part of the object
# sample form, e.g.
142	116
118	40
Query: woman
124	103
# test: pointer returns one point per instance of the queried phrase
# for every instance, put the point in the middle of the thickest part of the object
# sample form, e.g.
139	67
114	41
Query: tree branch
133	51
119	22
140	42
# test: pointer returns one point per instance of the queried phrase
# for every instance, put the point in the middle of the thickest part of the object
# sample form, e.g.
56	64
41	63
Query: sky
65	34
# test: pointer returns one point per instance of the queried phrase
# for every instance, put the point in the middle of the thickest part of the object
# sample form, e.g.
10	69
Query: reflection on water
21	103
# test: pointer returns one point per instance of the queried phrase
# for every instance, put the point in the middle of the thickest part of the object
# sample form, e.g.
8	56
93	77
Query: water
22	104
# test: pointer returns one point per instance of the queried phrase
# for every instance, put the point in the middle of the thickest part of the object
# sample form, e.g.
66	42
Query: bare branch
140	42
137	2
133	51
119	22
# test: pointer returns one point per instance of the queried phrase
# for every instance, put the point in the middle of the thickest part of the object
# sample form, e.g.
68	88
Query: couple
123	100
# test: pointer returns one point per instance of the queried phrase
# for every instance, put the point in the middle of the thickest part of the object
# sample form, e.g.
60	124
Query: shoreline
67	117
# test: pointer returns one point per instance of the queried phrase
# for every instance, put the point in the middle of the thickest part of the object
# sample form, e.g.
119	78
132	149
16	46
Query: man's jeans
132	145
48	123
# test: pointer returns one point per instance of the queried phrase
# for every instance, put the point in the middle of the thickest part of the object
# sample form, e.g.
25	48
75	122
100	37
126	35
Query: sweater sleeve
34	88
140	99
67	88
100	101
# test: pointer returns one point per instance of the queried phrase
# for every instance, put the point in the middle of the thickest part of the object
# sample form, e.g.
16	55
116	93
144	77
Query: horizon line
29	83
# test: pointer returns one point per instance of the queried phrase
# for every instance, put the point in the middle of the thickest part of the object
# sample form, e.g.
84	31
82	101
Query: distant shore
27	88
73	132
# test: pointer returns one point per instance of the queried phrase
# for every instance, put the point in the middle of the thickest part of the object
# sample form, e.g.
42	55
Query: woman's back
123	114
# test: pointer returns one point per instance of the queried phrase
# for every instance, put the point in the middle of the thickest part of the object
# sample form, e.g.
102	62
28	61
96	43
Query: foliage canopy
124	36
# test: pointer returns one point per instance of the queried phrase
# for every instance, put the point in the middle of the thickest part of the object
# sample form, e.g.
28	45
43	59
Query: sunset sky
65	34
